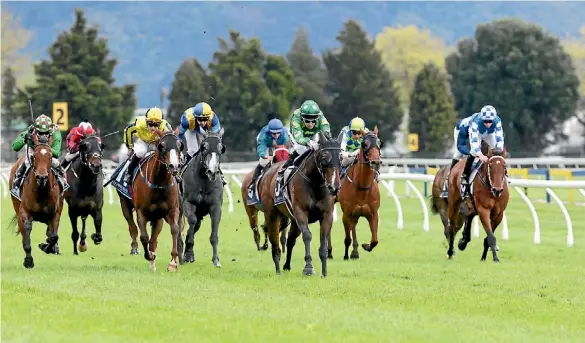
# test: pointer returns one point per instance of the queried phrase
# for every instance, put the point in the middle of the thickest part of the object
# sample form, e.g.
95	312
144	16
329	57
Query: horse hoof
134	251
496	260
497	248
482	259
265	246
82	248
323	276
217	264
355	255
286	268
189	258
172	267
330	257
462	245
367	247
308	271
28	262
152	266
97	239
346	258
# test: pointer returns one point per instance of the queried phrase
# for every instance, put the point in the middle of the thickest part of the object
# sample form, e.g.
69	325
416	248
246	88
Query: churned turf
404	291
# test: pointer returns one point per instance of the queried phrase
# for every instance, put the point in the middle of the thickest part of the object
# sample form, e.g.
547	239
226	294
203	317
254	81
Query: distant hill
150	39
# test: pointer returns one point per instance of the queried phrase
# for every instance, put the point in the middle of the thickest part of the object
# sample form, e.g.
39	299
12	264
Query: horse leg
189	210
283	225
373	221
82	243
97	222
326	224
355	251
172	220
132	228
155	229
329	249
347	241
466	234
215	212
253	221
265	230
273	226
293	234
302	223
74	232
141	220
25	228
51	246
490	240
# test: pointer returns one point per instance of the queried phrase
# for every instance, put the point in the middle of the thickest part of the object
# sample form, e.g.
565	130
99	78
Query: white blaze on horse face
43	152
213	167
174	158
333	177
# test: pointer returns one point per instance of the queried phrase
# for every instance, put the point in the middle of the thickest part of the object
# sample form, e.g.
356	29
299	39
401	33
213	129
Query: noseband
97	155
489	182
370	163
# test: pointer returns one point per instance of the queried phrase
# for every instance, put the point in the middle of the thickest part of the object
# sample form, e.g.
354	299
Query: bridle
373	165
489	182
96	155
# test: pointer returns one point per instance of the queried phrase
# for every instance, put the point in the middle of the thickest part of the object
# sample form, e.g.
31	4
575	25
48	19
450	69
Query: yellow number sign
61	115
413	141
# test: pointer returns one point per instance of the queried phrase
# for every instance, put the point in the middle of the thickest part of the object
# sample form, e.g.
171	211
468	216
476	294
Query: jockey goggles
151	124
356	132
202	119
488	121
309	121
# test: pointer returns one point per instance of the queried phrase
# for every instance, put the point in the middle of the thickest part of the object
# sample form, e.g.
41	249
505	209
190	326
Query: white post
422	203
399	221
533	212
566	214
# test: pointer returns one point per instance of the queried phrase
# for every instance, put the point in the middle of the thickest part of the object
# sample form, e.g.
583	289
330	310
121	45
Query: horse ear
376	130
222	148
221	131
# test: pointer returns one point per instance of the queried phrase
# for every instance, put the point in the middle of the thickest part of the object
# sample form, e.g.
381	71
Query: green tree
79	72
249	89
576	49
8	97
405	50
524	72
188	88
308	70
432	115
360	84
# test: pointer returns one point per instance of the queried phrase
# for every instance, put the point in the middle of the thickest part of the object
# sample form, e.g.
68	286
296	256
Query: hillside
151	39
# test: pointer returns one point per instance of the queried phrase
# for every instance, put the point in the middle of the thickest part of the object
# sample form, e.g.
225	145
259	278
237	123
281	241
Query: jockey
483	126
306	121
43	126
144	131
75	136
270	136
198	119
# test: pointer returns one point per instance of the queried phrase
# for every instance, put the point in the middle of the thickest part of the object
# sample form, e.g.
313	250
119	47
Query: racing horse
360	196
280	154
202	194
41	199
85	196
305	195
489	200
155	196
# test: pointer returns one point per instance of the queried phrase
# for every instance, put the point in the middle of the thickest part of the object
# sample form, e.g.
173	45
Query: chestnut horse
306	196
42	200
489	200
280	154
360	195
155	197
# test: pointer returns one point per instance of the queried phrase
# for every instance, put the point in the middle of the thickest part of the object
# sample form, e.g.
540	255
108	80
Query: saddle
472	174
117	179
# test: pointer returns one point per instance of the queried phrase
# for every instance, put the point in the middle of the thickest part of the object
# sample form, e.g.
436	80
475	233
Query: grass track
405	290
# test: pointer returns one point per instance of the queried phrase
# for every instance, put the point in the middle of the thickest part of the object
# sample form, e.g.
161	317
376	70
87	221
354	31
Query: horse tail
434	206
13	223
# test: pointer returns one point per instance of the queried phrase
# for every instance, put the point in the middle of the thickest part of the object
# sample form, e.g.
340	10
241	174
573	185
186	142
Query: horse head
41	160
371	149
328	161
280	153
211	150
167	149
90	151
496	171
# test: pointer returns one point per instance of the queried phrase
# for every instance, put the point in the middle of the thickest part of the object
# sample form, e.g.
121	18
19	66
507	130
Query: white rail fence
233	170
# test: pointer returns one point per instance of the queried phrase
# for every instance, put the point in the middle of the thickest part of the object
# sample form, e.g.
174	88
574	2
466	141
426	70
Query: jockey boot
288	163
465	174
18	178
257	172
129	171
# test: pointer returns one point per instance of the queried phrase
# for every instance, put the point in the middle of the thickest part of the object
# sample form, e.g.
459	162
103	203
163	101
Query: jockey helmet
275	126
154	115
310	109
488	112
202	110
43	124
84	126
357	124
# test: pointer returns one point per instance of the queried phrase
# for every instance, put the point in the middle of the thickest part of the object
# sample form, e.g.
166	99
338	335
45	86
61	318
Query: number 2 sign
61	115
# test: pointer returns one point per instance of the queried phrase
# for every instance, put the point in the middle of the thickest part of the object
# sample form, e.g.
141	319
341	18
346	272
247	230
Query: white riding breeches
346	159
263	162
70	156
489	139
141	148
192	143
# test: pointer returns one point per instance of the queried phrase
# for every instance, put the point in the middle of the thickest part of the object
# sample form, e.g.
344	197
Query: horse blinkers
166	146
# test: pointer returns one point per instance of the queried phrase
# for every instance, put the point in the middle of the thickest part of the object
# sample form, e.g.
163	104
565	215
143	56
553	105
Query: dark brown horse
489	200
360	195
280	154
42	200
309	196
155	197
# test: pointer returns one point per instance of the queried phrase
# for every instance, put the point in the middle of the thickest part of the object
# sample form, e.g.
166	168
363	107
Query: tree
8	97
405	50
524	72
14	39
249	88
432	115
79	72
188	88
308	71
576	49
360	85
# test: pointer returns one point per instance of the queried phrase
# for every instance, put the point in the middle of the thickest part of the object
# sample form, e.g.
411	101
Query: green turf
405	290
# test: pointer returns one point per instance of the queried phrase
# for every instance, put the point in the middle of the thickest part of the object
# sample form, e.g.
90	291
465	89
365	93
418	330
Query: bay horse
304	196
202	195
155	196
85	196
489	200
41	196
360	196
280	154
